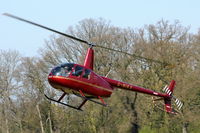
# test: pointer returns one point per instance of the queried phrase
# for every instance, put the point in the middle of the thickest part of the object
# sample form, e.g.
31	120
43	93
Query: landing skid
57	101
85	99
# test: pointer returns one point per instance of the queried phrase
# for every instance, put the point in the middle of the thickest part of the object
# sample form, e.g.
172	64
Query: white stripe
176	100
180	107
168	91
164	88
179	104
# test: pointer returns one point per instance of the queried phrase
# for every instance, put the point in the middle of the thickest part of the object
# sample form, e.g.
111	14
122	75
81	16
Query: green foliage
147	129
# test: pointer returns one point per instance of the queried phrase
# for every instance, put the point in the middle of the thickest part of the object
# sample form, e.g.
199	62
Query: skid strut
89	99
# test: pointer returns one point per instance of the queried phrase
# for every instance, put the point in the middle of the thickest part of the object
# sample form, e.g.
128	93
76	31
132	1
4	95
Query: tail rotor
168	101
171	103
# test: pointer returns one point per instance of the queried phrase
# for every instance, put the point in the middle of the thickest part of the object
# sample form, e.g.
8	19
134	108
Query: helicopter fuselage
71	78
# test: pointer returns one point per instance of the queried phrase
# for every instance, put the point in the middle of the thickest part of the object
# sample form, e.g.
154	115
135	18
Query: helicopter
82	81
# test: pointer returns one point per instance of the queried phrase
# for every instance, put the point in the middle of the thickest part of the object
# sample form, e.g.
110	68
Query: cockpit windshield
62	70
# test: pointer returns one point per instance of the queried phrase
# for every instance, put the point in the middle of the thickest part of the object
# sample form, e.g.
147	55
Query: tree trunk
7	128
184	128
41	123
50	124
135	125
20	125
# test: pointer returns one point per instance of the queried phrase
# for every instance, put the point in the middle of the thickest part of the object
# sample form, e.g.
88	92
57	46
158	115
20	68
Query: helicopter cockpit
62	70
67	68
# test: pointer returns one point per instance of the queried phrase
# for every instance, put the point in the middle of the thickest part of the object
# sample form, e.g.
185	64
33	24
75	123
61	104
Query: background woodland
23	81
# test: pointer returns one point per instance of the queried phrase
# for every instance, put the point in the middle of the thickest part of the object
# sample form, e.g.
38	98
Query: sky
60	14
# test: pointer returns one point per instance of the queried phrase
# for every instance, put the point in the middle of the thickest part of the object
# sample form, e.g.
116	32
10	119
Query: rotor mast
89	58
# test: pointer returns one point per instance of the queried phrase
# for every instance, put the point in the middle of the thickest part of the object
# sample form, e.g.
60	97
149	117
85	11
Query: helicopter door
86	74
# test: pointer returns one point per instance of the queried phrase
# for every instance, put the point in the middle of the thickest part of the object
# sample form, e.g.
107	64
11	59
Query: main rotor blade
134	55
80	40
47	28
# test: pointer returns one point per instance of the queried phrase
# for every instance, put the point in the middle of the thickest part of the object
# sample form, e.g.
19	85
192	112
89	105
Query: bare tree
9	61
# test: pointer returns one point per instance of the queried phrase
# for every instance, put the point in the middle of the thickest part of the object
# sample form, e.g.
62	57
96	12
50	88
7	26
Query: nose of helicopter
55	75
59	73
50	77
54	72
54	81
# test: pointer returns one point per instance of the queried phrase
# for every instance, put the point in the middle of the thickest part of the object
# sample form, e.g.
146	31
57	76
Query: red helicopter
83	82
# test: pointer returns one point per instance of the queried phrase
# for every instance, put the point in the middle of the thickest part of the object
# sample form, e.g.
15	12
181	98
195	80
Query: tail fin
168	101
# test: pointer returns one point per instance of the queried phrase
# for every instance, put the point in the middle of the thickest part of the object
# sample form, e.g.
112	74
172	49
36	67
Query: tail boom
126	86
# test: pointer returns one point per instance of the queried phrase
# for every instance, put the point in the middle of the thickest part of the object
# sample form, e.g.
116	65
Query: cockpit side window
68	68
62	70
56	71
87	74
77	71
